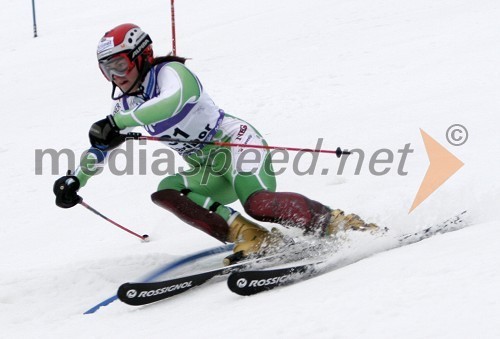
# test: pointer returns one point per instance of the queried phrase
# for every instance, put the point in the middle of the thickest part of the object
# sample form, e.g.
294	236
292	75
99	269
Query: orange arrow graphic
442	166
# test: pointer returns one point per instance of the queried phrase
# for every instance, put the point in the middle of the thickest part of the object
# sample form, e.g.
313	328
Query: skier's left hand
105	135
65	189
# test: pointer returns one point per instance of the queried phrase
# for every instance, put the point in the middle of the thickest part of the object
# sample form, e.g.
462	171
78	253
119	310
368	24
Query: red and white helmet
123	47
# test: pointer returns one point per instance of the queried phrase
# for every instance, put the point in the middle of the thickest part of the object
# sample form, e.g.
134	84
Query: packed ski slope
358	74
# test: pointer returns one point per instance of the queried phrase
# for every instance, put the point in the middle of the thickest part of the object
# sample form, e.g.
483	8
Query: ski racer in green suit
164	97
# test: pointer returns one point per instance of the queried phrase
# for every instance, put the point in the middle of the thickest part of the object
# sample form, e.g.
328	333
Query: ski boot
341	222
251	239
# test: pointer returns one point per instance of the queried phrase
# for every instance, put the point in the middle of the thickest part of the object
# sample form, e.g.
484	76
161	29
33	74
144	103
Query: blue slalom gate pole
34	18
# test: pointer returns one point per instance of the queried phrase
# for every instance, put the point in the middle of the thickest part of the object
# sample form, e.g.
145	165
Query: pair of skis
148	292
258	275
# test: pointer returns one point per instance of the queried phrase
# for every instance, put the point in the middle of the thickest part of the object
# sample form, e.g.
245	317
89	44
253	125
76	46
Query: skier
167	99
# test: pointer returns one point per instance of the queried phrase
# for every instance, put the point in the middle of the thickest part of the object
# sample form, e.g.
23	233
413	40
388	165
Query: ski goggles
119	65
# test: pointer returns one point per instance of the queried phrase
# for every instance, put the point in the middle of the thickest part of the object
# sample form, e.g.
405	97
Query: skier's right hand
105	135
65	189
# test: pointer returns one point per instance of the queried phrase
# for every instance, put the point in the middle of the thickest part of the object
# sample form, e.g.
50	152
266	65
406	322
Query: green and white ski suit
174	104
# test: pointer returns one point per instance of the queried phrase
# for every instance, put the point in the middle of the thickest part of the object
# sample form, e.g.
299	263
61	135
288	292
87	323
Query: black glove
65	189
105	135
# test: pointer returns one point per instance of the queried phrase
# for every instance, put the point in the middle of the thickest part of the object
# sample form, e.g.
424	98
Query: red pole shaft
337	152
172	17
90	208
230	144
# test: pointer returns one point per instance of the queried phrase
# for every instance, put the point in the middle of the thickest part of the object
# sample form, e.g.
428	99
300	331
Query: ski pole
137	136
144	237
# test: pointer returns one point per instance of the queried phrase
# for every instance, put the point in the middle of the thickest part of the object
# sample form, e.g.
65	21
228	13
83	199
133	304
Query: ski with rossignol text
137	294
255	281
250	282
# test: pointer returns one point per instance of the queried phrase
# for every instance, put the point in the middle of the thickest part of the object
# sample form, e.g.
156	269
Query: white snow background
359	74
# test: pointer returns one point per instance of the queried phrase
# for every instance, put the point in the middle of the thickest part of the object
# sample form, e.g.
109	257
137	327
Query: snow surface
359	74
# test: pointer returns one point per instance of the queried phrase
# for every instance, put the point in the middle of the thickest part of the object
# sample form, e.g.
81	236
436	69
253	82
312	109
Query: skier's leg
288	209
199	205
199	201
292	209
256	191
248	236
199	196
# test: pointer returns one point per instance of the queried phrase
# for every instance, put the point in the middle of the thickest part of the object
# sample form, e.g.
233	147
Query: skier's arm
90	164
92	161
178	87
